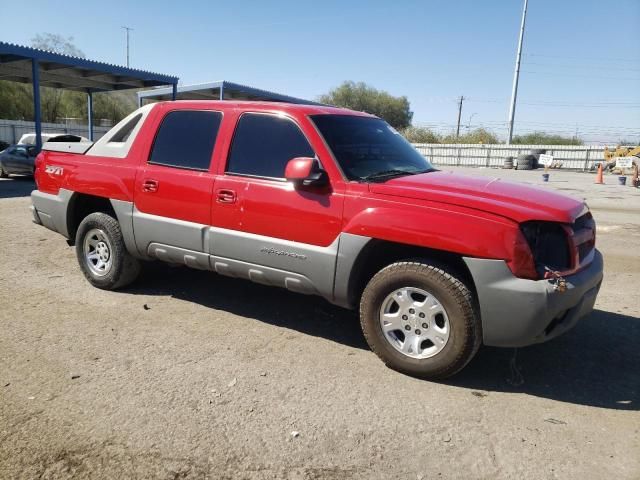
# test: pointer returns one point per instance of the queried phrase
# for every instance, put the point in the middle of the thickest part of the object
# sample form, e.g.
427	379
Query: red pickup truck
332	202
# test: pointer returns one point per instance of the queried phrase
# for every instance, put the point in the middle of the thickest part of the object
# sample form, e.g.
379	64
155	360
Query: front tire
102	255
3	174
420	320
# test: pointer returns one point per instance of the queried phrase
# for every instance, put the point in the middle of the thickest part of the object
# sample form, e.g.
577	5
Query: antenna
127	29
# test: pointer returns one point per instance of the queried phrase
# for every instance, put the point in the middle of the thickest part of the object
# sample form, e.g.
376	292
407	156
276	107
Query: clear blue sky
581	63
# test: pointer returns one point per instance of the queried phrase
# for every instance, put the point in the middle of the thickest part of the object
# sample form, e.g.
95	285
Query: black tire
525	162
124	268
535	153
3	174
465	335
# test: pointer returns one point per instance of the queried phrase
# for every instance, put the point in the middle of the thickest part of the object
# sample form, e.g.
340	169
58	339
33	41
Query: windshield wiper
389	174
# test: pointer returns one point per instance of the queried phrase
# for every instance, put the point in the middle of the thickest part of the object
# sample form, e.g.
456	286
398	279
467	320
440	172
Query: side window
185	139
263	144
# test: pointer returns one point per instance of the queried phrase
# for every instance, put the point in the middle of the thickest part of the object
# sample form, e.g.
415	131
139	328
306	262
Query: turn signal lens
522	264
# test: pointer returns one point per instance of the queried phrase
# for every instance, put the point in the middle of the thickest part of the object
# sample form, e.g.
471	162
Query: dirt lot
190	375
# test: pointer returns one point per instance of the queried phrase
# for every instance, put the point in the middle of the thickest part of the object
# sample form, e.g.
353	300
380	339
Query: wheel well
378	254
82	205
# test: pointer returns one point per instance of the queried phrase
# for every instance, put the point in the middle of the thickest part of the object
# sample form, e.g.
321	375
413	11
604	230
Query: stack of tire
529	161
525	161
508	163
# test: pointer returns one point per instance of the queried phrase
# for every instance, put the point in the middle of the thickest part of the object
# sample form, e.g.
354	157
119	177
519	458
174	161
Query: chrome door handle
150	186
226	196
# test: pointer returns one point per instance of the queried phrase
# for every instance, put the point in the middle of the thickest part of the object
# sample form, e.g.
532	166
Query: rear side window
263	144
122	135
185	139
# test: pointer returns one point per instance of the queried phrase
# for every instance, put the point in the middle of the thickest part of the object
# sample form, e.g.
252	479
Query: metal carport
43	68
220	90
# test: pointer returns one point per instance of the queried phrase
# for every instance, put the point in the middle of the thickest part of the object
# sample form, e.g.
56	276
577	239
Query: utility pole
516	75
127	29
459	115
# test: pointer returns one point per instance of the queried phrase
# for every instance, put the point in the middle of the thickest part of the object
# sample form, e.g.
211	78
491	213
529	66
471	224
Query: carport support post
35	77
90	113
174	91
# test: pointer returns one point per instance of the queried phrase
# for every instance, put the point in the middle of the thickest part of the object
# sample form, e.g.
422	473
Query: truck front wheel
102	255
420	320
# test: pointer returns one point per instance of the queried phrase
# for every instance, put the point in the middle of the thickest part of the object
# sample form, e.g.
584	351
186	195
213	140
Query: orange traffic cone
599	178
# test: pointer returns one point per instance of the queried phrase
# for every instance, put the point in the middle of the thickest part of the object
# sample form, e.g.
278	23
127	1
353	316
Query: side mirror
305	172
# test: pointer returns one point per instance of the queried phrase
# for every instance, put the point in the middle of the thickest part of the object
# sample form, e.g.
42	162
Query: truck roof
267	106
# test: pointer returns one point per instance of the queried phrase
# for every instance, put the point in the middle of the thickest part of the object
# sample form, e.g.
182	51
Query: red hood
516	201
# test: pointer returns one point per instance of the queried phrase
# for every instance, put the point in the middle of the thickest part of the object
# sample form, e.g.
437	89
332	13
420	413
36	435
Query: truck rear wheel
102	255
420	320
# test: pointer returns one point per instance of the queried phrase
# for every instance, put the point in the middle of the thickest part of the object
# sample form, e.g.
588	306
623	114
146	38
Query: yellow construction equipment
610	156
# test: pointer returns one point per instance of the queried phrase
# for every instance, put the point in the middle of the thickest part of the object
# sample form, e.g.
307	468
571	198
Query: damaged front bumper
516	312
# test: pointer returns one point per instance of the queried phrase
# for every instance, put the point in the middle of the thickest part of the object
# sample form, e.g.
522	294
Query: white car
30	138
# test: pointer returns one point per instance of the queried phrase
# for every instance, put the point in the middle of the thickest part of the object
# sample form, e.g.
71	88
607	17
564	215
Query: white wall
579	157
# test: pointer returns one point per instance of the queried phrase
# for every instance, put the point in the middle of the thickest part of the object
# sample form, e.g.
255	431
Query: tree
54	102
54	42
16	100
542	138
420	135
362	97
479	135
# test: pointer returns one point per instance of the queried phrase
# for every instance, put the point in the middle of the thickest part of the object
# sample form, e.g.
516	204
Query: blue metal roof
73	73
220	90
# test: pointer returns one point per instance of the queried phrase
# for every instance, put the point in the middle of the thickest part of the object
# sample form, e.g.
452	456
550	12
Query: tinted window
185	139
123	134
263	144
366	146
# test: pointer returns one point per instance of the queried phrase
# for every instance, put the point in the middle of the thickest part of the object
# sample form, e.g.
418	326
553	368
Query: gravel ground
191	375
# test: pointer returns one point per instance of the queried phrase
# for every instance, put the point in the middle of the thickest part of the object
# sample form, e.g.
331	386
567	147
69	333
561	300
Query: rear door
8	159
17	160
172	194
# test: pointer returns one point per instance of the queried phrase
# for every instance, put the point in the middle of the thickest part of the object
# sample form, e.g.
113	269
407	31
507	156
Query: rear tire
102	255
432	332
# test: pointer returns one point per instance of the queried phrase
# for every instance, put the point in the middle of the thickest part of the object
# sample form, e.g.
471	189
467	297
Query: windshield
369	148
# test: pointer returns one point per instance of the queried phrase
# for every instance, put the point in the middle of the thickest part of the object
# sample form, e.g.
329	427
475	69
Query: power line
637	79
557	65
578	58
563	104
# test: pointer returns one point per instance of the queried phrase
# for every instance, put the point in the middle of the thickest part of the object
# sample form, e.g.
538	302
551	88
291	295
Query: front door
173	189
261	218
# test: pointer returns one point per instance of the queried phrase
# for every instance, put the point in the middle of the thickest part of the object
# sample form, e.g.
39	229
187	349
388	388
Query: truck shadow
596	364
16	186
